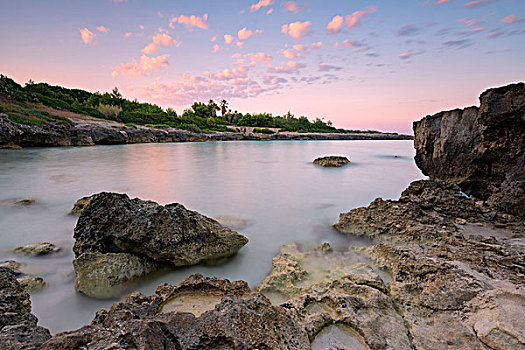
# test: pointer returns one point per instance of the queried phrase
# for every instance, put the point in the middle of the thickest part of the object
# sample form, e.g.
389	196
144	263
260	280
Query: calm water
272	184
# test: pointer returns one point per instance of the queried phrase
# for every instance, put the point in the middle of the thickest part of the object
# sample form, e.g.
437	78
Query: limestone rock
114	223
238	319
80	205
110	274
34	249
331	161
18	326
480	149
31	284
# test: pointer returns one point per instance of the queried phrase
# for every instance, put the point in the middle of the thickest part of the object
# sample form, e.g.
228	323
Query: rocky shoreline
446	269
14	135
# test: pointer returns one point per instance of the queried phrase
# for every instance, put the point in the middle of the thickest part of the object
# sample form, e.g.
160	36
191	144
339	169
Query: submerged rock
14	202
331	161
173	234
34	249
480	149
18	326
107	275
235	319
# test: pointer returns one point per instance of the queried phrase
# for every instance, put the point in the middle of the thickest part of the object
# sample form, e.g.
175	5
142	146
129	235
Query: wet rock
31	284
80	205
295	273
18	326
331	161
34	249
14	202
480	149
240	320
114	223
15	266
109	275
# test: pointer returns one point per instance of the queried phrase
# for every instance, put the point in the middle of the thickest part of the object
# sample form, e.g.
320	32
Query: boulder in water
331	161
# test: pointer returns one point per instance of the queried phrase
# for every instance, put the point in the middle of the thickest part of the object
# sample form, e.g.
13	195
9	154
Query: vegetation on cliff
41	104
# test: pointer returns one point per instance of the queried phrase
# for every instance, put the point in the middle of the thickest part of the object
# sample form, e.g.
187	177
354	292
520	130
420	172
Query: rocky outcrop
480	149
118	239
18	326
114	223
13	135
443	273
331	161
200	313
34	249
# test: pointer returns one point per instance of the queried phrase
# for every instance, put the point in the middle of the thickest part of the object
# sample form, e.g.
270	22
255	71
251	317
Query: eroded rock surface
480	149
18	326
443	273
114	223
34	249
239	319
331	161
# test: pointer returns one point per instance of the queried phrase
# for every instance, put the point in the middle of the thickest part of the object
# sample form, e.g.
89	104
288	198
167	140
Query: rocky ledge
14	135
118	239
480	149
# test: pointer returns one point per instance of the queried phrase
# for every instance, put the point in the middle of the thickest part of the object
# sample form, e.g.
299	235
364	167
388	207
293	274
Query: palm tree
224	106
213	108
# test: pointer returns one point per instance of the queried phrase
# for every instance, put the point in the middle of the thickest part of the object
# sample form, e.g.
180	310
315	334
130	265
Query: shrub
110	111
190	127
263	131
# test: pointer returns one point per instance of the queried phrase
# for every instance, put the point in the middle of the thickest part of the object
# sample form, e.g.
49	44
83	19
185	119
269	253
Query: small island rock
34	249
332	161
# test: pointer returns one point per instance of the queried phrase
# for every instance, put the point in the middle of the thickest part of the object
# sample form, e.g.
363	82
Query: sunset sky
360	63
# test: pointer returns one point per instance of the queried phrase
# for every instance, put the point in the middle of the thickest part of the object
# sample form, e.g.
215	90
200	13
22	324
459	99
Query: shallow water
273	186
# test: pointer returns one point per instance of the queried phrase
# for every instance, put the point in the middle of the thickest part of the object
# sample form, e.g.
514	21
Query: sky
363	64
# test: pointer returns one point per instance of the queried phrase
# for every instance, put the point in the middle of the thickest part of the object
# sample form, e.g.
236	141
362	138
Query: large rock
480	149
18	326
331	161
111	274
114	223
200	313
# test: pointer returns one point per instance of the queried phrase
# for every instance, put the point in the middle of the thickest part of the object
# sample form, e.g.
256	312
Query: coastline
90	133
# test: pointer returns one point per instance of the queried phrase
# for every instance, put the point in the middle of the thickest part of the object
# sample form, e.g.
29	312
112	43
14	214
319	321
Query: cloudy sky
360	63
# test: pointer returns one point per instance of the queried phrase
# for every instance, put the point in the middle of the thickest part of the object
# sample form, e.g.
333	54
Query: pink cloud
239	44
136	69
119	1
409	54
158	40
216	48
244	33
440	2
317	45
262	3
259	57
269	12
103	29
141	27
477	2
87	36
292	6
301	48
350	21
128	34
228	39
214	38
191	21
511	19
291	54
335	25
297	30
288	67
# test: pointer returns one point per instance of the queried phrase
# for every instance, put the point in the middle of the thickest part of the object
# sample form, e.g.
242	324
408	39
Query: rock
14	266
295	273
480	149
461	221
109	275
235	319
14	202
114	223
18	326
34	249
233	222
80	205
31	284
331	161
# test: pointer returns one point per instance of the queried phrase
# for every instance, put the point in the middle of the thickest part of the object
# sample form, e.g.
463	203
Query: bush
189	127
263	131
110	111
